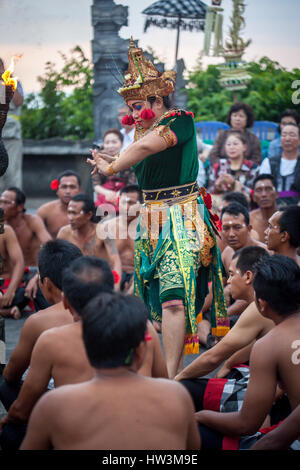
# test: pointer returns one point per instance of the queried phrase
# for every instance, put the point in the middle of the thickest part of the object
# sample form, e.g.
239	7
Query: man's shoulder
227	253
47	206
64	230
46	318
259	243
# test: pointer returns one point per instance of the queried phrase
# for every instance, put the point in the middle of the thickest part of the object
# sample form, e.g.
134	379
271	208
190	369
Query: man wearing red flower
55	213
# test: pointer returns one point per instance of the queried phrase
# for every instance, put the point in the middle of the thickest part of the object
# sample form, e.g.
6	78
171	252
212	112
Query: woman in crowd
107	188
241	118
234	172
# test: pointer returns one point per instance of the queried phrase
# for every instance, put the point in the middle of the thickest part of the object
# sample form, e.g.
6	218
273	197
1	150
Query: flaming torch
8	86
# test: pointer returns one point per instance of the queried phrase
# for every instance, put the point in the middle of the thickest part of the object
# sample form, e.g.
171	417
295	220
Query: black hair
236	196
249	256
85	278
166	101
132	188
289	222
289	113
54	257
234	208
69	173
114	325
114	131
244	107
20	196
88	205
264	176
278	283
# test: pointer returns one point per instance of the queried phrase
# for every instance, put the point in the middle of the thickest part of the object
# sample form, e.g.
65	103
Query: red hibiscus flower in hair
54	185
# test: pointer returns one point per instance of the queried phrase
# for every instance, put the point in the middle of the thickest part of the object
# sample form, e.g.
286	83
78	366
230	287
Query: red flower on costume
116	277
54	185
207	200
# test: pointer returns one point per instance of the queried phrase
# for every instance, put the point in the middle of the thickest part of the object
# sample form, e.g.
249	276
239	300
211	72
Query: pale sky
38	29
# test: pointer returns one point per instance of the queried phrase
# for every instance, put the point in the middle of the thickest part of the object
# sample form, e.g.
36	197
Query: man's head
283	230
53	258
242	269
290	138
235	225
85	278
264	191
12	201
81	211
114	328
131	198
234	196
288	116
69	184
277	286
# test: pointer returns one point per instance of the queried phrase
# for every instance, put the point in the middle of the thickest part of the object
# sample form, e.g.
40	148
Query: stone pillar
108	50
180	94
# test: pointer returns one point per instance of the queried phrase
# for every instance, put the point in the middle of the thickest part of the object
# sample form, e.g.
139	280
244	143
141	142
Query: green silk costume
176	255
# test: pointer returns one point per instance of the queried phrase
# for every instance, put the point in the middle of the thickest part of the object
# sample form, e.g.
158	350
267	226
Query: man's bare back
285	357
53	316
127	411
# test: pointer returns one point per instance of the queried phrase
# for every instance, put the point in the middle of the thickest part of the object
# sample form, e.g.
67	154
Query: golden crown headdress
142	78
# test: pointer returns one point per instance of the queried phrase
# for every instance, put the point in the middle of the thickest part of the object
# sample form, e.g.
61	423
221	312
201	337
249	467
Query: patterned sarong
176	256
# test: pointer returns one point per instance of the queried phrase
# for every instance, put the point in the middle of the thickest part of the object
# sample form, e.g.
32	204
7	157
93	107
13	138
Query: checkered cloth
227	395
193	9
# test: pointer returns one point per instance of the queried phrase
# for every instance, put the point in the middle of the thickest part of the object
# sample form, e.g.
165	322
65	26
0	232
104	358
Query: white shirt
287	167
127	138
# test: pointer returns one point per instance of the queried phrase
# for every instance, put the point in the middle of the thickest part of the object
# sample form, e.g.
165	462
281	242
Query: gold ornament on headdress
142	78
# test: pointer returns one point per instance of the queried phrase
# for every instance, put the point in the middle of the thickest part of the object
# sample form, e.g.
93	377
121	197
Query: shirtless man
55	213
12	270
54	257
82	231
125	410
123	230
283	232
250	326
59	353
264	194
274	358
236	230
30	229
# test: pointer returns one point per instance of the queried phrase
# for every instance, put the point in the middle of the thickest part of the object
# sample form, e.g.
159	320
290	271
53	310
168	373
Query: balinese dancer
176	255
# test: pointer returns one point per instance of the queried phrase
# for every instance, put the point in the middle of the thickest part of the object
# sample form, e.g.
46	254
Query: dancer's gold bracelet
110	169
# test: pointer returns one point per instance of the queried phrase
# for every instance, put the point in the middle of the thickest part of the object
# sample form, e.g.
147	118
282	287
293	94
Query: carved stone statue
110	61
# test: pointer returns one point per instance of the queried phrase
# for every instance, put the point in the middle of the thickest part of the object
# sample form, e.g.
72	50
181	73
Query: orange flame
6	76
